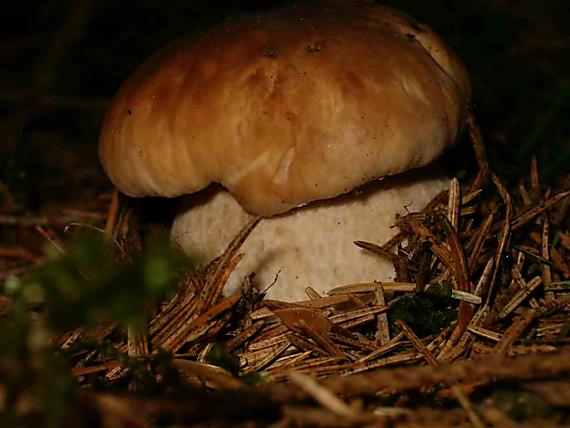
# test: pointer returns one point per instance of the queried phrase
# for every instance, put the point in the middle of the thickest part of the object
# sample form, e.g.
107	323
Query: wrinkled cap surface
284	108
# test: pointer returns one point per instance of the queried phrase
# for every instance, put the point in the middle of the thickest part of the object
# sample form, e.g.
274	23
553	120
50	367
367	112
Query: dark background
61	61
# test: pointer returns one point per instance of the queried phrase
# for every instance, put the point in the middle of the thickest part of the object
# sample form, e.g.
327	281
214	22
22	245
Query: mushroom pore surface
309	246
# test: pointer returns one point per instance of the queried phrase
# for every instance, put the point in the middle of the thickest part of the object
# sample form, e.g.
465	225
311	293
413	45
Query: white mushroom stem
309	246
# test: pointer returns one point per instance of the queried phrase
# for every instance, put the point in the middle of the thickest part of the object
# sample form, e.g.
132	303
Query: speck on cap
284	108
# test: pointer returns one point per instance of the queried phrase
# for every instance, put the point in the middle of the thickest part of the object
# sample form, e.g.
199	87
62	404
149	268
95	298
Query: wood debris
491	257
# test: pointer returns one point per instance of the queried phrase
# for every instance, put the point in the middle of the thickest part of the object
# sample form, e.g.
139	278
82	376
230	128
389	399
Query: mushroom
308	116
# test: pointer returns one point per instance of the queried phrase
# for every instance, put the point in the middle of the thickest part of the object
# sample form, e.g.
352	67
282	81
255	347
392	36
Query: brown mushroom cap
285	108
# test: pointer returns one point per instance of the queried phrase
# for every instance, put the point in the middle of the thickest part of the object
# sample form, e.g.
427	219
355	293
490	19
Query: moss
426	313
92	283
221	357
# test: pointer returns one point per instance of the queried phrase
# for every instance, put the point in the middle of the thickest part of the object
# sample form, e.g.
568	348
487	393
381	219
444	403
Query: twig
51	240
322	395
482	370
457	389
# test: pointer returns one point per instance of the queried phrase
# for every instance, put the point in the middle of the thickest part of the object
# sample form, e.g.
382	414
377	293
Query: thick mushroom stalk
310	246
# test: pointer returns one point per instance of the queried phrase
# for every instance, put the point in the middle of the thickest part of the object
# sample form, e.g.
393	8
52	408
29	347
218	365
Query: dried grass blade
266	358
480	241
439	341
205	353
477	142
241	338
377	249
481	287
458	256
304	345
528	215
453	203
564	239
356	342
287	362
546	274
137	343
66	340
357	300
358	313
180	321
524	320
392	242
388	347
214	284
310	365
112	212
312	293
558	286
368	287
271	331
358	321
439	250
322	339
519	297
418	344
320	303
407	357
517	278
560	263
218	376
261	313
324	302
465	297
529	251
310	322
200	324
467	211
514	331
470	196
457	389
382	328
52	239
424	269
483	332
178	309
268	342
84	371
436	201
504	235
524	195
292	319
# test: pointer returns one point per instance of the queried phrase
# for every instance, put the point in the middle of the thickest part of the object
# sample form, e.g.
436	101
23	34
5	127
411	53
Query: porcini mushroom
290	112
